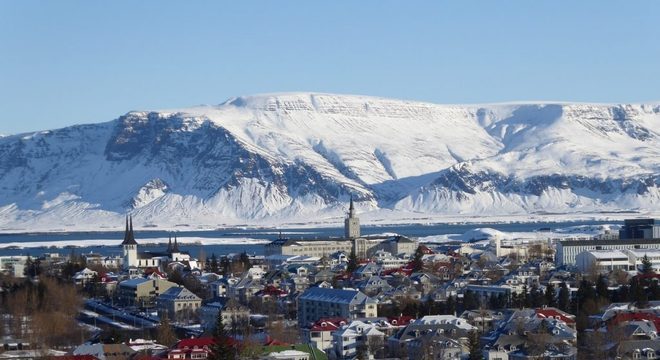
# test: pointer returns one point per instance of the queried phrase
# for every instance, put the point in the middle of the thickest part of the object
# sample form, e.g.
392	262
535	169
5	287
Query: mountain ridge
299	156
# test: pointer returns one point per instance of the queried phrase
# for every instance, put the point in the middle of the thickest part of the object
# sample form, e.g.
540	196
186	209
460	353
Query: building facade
317	303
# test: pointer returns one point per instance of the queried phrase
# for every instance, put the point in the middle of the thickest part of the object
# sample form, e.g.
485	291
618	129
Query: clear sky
71	62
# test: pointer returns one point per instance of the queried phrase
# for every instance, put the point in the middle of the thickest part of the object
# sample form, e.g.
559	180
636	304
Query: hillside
297	158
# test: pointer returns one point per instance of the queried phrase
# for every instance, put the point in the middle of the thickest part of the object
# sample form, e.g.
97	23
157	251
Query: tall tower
129	245
351	223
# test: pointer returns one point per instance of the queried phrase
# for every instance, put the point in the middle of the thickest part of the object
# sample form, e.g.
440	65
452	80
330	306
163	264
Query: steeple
351	223
129	237
169	245
175	249
351	208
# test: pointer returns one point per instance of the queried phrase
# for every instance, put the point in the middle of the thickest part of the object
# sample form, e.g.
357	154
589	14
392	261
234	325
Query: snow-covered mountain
299	157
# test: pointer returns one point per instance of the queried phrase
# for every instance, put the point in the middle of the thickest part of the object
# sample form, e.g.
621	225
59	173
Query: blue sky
71	62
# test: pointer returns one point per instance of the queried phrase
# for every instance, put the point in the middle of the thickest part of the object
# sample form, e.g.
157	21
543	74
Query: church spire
176	245
129	237
126	231
352	223
351	208
169	244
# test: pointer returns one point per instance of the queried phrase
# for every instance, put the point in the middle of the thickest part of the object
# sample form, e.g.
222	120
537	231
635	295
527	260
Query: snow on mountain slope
298	157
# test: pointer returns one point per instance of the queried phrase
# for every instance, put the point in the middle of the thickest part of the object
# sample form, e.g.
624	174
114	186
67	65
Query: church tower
351	223
129	245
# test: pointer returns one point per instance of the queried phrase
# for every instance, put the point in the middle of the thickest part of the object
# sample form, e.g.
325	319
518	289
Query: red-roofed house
400	321
194	348
271	291
425	250
320	333
554	313
634	316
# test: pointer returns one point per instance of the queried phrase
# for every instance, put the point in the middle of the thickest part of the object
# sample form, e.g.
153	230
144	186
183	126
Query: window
316	334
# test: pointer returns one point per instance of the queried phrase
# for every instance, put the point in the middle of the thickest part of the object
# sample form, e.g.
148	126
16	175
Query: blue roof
332	295
133	282
179	293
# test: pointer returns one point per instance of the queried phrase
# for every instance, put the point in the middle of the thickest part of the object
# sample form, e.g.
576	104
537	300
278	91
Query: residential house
178	303
317	303
142	292
348	338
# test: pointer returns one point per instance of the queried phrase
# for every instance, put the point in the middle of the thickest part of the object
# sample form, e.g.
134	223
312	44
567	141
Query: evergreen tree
638	293
224	264
550	299
647	266
417	262
32	267
470	301
601	287
214	264
536	298
564	300
654	291
622	294
352	262
175	277
475	346
586	294
222	348
245	260
450	305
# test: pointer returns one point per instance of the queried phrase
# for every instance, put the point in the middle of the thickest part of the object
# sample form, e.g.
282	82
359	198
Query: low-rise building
320	333
354	335
178	303
142	292
233	314
317	303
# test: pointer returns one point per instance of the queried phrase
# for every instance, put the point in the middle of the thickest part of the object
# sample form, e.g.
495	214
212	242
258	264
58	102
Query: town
354	297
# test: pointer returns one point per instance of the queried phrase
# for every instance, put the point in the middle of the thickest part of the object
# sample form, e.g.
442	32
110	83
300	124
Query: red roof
647	276
271	290
328	324
425	250
635	316
272	342
554	313
193	343
400	320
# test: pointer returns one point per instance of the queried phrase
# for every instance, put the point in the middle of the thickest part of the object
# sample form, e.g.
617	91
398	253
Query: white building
14	265
568	250
602	259
83	276
357	333
627	259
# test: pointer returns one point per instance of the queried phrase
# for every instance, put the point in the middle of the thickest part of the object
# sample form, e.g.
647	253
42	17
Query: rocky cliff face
298	157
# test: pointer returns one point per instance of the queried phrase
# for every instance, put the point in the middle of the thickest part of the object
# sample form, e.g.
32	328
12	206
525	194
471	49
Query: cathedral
133	261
